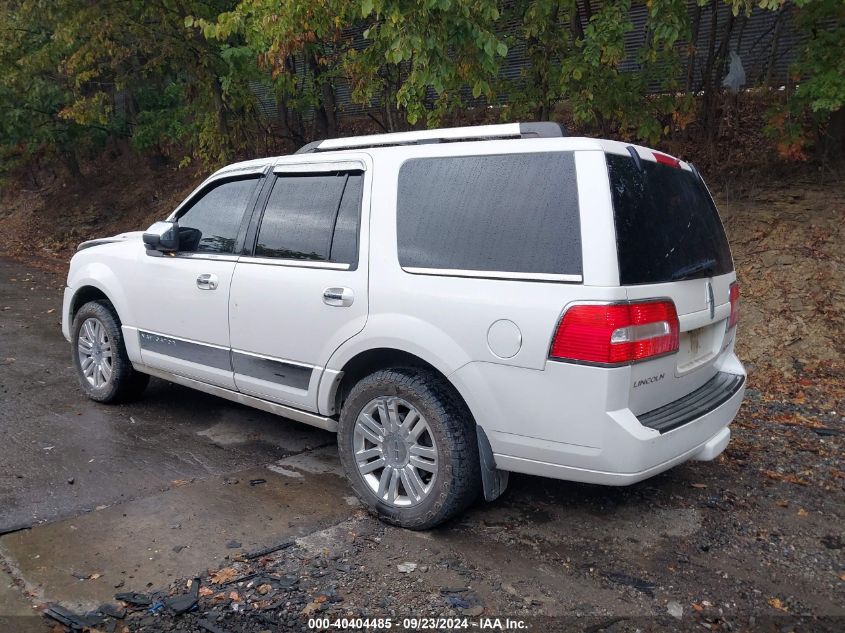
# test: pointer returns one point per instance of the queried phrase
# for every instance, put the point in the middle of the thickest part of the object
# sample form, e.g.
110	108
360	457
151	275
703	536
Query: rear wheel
99	355
408	447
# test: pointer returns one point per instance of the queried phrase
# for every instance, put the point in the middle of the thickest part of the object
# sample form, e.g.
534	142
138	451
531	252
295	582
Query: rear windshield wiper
704	265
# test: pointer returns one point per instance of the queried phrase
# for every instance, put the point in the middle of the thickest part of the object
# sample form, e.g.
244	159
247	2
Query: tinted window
312	217
210	225
510	213
667	227
345	241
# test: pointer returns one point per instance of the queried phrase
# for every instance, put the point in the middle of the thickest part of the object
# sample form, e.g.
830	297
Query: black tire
458	481
125	383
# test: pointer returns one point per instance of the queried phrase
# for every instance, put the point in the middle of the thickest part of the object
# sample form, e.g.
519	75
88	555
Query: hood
130	236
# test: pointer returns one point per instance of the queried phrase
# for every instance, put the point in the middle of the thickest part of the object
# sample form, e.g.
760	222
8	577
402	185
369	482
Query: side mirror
162	236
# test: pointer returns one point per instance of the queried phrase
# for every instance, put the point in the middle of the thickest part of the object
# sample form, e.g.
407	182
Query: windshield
667	227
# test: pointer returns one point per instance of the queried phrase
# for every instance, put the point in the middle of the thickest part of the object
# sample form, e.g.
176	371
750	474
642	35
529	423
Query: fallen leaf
777	604
51	310
310	608
205	591
783	504
179	482
789	477
234	596
94	576
802	512
698	485
223	575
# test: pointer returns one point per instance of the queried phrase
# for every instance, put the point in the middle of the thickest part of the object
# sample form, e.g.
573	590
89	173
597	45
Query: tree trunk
222	119
693	44
779	20
71	162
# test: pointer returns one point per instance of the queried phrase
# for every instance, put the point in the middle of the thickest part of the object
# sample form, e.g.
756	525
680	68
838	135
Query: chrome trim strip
273	358
493	274
222	257
298	415
186	340
319	166
293	263
199	353
273	371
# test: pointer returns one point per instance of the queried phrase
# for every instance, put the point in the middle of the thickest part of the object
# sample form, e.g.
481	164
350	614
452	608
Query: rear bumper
577	432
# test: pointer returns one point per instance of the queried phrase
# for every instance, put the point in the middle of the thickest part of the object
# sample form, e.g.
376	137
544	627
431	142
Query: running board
312	419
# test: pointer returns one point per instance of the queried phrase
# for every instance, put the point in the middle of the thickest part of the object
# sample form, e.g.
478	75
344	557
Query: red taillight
734	297
665	159
617	333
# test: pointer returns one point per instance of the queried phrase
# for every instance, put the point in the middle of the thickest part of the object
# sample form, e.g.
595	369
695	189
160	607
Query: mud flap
495	481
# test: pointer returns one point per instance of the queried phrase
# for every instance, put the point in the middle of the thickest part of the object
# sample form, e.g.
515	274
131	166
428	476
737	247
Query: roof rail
541	129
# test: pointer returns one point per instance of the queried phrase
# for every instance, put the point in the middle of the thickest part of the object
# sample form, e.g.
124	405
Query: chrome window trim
319	166
493	274
222	257
293	263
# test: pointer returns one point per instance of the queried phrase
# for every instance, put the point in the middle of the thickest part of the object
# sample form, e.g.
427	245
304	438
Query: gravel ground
752	541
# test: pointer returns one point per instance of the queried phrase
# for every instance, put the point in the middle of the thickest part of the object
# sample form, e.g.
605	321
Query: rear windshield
506	213
667	227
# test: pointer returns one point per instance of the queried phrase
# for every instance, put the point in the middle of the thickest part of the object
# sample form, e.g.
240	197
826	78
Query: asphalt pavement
96	499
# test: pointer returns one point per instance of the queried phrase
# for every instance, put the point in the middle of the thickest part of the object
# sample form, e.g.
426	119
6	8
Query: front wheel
408	447
99	356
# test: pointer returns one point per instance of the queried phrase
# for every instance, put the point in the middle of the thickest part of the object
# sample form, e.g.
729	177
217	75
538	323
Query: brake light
616	333
734	297
665	159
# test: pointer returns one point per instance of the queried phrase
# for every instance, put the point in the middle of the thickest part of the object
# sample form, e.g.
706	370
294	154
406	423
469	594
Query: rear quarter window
513	213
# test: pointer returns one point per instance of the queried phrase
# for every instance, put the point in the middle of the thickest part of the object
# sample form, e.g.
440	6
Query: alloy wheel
95	352
395	451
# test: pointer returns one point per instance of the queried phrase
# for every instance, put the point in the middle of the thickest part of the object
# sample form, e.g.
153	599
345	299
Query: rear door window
667	227
514	213
312	217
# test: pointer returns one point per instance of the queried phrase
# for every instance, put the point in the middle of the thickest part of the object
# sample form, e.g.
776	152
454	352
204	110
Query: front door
302	291
182	300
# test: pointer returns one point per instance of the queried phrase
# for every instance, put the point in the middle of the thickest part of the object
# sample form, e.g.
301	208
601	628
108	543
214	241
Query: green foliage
421	53
581	64
819	71
177	77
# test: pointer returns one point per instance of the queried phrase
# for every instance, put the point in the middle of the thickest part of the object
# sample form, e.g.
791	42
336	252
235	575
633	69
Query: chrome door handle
207	281
339	297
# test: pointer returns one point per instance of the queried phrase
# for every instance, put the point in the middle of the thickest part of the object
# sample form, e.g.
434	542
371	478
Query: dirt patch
44	227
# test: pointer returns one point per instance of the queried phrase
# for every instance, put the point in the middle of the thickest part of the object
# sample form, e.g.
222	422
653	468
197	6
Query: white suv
456	304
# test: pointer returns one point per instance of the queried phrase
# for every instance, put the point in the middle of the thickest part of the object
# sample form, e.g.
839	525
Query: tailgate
703	336
671	245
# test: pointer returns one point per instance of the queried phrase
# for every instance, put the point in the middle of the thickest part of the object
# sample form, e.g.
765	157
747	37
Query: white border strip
493	274
293	263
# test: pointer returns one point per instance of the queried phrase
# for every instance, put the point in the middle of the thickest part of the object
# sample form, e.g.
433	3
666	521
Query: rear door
671	244
301	289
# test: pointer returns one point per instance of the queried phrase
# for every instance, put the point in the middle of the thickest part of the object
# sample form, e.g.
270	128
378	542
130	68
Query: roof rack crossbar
542	129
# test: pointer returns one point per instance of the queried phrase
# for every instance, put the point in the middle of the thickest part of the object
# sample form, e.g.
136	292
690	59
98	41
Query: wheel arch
97	281
364	363
85	294
371	360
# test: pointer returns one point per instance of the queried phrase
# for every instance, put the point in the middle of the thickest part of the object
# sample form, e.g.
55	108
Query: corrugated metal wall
766	42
